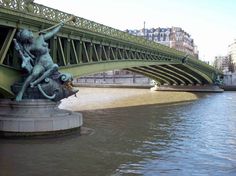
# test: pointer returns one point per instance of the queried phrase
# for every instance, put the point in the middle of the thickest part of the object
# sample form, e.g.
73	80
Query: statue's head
25	36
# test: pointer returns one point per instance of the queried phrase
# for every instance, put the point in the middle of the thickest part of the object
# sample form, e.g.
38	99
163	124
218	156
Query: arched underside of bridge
162	72
86	47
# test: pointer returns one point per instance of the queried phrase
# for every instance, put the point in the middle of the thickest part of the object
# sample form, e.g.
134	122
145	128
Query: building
120	77
174	37
232	51
222	63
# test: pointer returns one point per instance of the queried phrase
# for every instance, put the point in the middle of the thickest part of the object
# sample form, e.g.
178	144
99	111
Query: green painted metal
207	77
96	67
184	72
175	78
7	81
6	44
182	77
87	47
159	74
155	77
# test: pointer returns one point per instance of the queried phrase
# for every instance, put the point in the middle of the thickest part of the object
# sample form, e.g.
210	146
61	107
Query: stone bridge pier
36	117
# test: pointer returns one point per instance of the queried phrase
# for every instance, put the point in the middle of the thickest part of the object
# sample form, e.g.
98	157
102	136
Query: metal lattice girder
199	72
181	76
159	74
174	77
185	73
195	73
155	77
6	44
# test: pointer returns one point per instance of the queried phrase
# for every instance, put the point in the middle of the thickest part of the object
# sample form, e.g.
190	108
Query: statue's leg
46	74
35	73
25	85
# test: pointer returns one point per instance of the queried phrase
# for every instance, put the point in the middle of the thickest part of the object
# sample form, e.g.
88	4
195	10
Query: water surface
193	137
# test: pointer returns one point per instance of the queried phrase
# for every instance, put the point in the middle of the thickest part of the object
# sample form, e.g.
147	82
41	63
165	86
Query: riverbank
103	98
135	86
162	88
229	87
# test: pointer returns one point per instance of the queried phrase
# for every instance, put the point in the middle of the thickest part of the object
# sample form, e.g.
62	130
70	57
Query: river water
163	134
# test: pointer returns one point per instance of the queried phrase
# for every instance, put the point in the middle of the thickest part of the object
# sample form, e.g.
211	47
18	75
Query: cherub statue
35	56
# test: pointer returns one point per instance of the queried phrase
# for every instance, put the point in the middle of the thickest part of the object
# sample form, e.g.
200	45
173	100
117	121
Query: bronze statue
36	59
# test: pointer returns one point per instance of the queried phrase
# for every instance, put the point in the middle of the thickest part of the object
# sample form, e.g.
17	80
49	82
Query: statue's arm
51	33
18	48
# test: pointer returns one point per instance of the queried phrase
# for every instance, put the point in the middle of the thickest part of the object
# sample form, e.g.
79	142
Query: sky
211	23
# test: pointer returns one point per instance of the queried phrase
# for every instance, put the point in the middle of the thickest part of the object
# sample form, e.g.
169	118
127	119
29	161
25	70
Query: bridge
87	47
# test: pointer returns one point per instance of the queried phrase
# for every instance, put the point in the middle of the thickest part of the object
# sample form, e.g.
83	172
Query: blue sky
211	23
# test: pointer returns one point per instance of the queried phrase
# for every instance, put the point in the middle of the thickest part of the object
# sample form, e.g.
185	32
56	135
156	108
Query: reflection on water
188	138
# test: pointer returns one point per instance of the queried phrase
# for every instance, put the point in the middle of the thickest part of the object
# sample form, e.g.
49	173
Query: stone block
26	126
1	125
10	125
43	125
73	122
60	124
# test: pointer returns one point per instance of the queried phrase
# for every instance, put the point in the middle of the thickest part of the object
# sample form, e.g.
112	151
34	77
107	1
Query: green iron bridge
87	47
